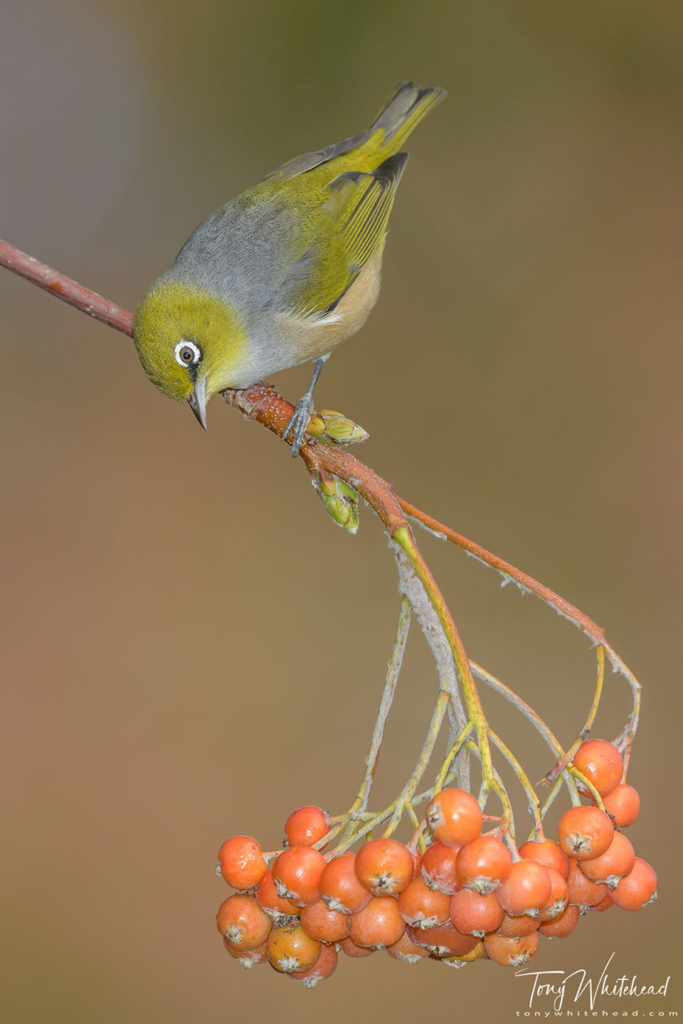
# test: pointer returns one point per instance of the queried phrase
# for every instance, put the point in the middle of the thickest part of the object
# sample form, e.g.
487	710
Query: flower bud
334	428
339	498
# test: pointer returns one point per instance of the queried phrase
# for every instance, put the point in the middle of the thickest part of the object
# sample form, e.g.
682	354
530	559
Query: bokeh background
190	648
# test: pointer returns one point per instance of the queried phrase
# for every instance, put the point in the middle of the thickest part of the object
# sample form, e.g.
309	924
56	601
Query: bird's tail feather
403	112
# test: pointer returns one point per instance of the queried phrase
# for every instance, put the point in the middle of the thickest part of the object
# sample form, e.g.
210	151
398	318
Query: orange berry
601	763
484	864
340	888
324	966
613	864
306	826
323	924
475	913
582	892
584	832
378	925
454	817
241	863
513	952
242	922
291	950
604	904
444	940
476	953
514	927
384	866
247	957
637	888
406	949
558	898
547	853
439	868
562	925
276	907
623	804
525	889
423	907
349	948
297	872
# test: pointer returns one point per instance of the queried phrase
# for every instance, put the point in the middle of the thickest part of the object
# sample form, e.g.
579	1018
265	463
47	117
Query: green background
190	648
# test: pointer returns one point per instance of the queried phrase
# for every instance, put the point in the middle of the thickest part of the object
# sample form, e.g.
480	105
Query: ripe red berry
241	863
423	907
474	913
378	925
324	966
582	892
601	763
623	804
584	832
323	924
247	957
511	952
613	864
406	949
340	888
276	907
484	864
242	922
517	926
306	826
439	868
444	940
526	888
476	953
297	872
384	866
604	904
562	925
454	817
559	896
291	950
547	853
638	888
349	948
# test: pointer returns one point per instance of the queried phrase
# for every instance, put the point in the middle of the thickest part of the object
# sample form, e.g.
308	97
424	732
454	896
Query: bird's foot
298	423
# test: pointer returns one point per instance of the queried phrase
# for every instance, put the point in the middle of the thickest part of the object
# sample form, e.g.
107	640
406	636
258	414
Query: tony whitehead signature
558	985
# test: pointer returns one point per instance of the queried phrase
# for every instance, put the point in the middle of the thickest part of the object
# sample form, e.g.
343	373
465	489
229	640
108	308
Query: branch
65	288
261	402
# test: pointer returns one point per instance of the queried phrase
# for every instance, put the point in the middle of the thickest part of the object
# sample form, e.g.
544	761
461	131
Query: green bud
339	498
334	428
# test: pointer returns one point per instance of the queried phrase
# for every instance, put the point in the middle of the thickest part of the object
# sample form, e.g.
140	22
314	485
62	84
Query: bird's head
188	341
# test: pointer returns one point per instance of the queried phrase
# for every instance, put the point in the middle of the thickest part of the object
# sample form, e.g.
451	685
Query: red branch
65	288
262	403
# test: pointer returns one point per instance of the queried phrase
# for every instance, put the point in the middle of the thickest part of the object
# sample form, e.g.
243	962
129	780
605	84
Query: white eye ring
187	353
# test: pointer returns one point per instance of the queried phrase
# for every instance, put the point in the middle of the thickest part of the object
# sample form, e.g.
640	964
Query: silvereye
283	273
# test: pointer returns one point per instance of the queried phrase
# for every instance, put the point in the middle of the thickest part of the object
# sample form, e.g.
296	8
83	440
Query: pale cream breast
316	336
276	342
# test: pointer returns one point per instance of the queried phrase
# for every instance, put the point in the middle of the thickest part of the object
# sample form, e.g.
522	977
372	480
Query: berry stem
458	695
534	802
407	793
393	672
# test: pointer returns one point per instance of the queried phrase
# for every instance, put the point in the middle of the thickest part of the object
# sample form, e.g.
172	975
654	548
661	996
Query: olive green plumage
283	273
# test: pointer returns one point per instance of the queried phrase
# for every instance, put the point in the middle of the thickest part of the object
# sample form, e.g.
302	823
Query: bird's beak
197	401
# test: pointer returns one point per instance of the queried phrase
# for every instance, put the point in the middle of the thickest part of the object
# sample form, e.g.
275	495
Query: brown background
190	648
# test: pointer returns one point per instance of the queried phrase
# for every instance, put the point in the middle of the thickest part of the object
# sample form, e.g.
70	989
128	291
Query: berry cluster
467	895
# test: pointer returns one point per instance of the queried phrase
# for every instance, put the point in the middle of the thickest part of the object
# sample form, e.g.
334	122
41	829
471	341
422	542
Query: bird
282	274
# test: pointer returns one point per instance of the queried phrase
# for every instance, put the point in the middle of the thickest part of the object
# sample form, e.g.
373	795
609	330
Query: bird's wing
350	226
308	161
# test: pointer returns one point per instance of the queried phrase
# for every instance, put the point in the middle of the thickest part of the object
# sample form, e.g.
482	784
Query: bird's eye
187	353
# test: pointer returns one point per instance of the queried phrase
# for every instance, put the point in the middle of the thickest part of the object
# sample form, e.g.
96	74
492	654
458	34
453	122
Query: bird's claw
298	423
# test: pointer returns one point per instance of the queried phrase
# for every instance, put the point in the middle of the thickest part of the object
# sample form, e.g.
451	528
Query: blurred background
190	648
